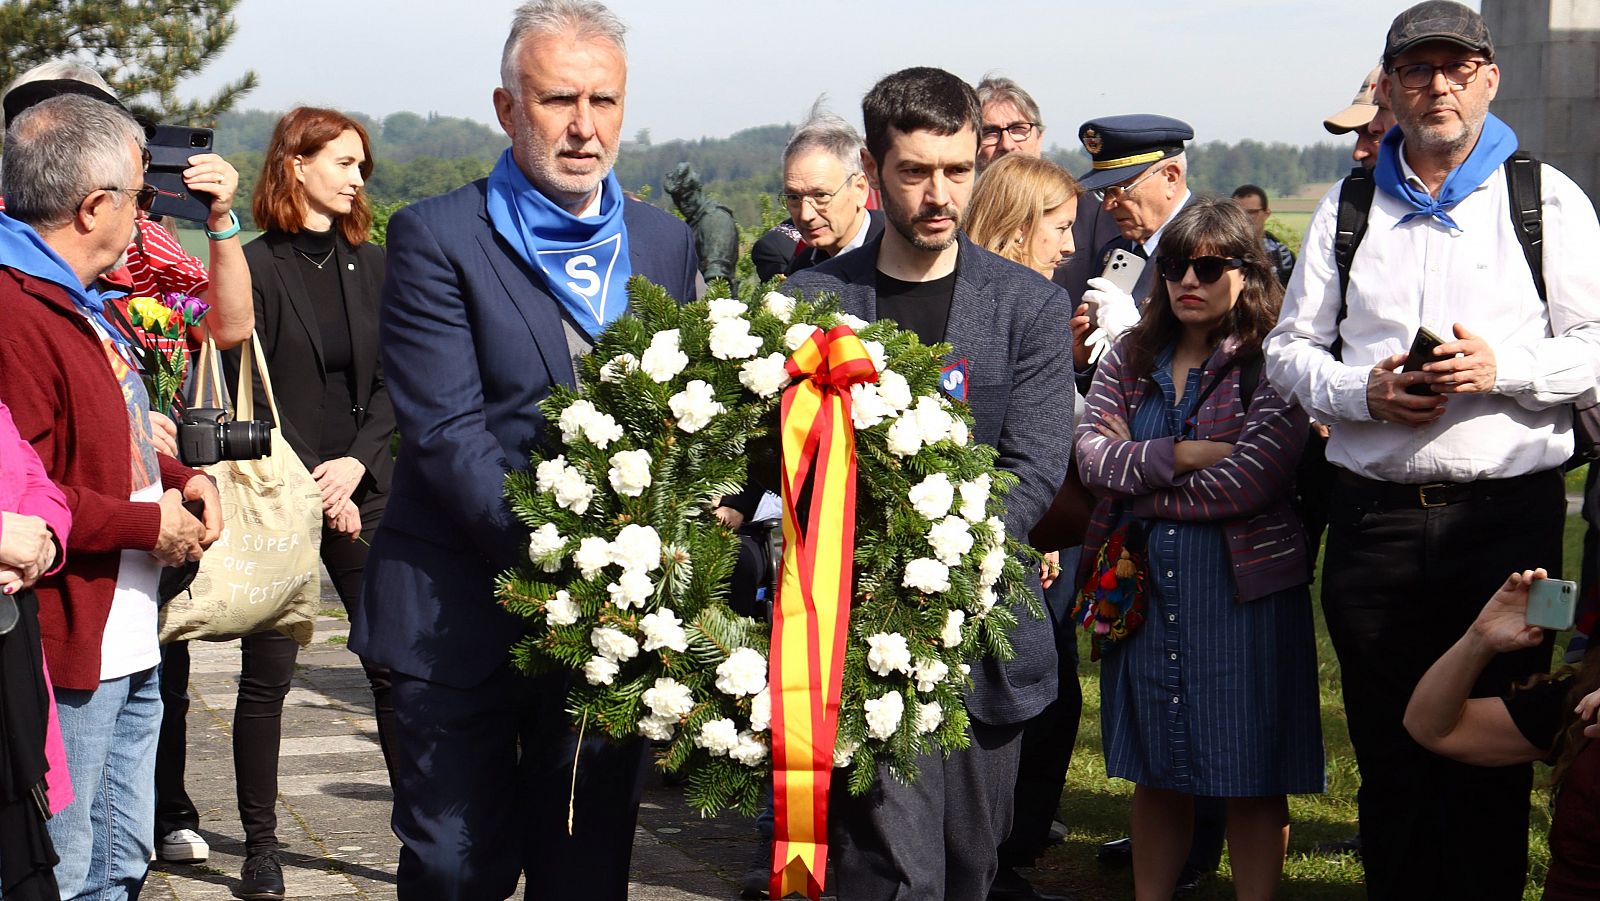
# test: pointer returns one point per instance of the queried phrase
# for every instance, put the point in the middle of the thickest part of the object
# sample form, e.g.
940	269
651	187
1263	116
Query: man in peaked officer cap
1140	176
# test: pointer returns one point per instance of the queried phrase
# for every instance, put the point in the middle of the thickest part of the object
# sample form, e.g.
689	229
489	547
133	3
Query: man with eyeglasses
74	182
825	190
1139	175
1011	121
1444	488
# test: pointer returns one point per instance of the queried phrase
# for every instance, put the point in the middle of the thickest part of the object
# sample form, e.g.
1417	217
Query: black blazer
286	324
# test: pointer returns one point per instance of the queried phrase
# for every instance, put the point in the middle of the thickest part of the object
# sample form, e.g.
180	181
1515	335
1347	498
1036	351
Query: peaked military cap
1124	146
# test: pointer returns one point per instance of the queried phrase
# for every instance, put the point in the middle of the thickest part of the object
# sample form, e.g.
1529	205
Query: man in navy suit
491	292
936	839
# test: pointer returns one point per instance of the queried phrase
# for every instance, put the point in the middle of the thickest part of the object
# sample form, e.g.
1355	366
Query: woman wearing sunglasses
1214	692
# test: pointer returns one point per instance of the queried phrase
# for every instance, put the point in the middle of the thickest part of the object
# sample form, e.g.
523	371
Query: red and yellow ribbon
812	613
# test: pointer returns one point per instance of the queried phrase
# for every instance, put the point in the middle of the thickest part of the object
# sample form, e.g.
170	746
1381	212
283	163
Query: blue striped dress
1210	696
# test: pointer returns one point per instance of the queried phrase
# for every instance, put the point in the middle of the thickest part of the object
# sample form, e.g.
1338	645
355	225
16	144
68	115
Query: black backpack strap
1527	212
1250	378
1355	200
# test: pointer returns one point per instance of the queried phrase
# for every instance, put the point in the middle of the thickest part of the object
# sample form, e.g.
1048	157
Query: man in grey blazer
1008	330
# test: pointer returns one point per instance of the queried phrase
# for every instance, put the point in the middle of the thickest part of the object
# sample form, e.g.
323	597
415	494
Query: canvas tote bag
264	572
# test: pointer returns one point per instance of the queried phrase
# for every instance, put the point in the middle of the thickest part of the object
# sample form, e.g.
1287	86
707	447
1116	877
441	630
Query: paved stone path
334	799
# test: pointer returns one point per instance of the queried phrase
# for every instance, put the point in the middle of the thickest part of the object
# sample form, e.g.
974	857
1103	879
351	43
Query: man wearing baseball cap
1438	495
1140	176
1368	116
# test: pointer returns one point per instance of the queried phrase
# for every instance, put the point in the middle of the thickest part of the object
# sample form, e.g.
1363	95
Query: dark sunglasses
143	197
1206	269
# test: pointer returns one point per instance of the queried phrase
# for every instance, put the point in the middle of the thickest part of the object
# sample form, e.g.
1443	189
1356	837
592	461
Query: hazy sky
707	68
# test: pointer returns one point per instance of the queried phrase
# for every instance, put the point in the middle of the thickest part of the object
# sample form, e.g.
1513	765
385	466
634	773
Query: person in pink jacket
34	524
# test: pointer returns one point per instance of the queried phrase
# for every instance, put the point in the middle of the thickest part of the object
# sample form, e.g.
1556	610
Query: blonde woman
1023	209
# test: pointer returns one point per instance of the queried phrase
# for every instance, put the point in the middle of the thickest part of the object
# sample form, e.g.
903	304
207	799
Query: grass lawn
1095	809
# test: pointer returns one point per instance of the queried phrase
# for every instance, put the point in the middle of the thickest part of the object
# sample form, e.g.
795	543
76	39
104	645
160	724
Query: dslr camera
206	436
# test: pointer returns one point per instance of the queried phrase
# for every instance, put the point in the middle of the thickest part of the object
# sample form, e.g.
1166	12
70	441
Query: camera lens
248	440
199	140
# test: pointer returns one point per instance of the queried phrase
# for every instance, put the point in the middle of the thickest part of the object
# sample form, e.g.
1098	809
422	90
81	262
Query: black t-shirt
1539	711
921	307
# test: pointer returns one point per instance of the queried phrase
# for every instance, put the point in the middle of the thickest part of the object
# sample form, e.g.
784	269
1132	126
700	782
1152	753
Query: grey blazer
1010	325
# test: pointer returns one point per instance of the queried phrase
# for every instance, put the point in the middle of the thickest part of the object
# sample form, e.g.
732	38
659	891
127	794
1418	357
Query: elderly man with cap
1140	176
1439	494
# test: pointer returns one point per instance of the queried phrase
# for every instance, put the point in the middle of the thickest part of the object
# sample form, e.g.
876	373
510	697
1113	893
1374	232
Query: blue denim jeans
104	835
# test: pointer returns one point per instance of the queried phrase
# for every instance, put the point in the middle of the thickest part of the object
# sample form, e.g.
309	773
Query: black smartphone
170	148
1421	352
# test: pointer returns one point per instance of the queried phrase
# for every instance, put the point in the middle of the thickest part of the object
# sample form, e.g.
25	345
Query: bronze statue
716	236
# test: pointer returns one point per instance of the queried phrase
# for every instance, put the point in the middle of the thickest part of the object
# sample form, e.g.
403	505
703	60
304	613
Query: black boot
262	877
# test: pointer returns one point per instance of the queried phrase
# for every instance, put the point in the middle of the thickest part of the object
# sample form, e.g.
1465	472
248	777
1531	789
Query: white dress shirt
1425	274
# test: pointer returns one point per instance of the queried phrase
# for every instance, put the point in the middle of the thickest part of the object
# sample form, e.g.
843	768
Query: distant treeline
420	156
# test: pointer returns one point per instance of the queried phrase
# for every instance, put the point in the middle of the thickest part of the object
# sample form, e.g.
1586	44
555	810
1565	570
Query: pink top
24	488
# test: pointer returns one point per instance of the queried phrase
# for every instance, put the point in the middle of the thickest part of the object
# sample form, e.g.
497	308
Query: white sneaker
183	846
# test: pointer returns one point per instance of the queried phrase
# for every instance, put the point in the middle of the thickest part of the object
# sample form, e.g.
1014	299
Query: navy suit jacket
1010	325
471	343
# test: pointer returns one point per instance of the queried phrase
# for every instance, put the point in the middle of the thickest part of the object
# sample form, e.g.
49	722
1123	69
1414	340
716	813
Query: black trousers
266	671
1400	584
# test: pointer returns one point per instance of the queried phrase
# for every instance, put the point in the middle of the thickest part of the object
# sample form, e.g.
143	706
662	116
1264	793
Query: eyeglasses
819	200
1206	269
143	197
1117	192
1019	131
1460	73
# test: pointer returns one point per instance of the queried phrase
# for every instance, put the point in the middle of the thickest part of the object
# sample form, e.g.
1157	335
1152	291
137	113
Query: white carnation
997	531
584	419
662	359
779	305
904	437
695	406
929	672
958	431
888	653
600	670
953	621
975	498
933	420
614	644
895	389
950	539
844	753
719	737
933	496
867	407
637	548
761	710
884	714
663	629
743	673
764	376
724	308
750	751
987	599
573	491
856	323
876	352
592	555
617	367
927	575
658	728
929	716
630	472
560	610
549	472
731	340
632	589
798	334
544	547
991	566
668	698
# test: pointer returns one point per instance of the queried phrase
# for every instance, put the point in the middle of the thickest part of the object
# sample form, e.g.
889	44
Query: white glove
1115	310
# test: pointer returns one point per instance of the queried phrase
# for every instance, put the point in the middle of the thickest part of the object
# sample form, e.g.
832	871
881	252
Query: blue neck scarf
22	249
1495	145
585	262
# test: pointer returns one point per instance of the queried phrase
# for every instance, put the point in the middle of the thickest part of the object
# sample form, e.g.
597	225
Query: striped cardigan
1249	491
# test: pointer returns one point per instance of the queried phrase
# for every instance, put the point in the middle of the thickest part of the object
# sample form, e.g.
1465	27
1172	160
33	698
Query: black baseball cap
1437	20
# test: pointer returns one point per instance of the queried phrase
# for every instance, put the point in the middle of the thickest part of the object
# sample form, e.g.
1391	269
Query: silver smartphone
1552	604
1123	268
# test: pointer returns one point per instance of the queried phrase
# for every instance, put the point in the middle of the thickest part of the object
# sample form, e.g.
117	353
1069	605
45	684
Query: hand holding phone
1421	354
1552	604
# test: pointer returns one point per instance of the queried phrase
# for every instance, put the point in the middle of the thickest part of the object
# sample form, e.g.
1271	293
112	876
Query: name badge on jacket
953	380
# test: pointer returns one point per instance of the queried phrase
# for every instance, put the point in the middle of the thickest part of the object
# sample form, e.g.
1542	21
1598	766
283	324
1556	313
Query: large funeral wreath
627	579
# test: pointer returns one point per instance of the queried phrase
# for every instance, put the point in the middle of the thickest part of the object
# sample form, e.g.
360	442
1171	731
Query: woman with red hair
315	279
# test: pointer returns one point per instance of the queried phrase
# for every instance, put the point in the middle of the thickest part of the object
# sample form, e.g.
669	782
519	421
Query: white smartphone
1123	269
